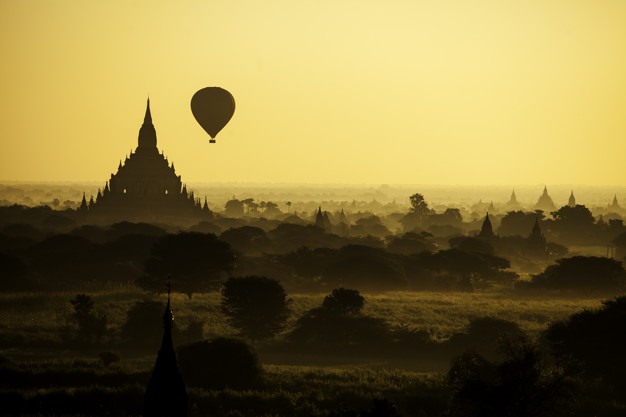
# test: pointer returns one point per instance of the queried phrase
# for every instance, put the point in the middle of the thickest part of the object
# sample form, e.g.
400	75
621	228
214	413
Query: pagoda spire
166	394
147	133
487	230
148	117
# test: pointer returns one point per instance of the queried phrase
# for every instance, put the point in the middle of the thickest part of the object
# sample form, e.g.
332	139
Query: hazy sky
437	92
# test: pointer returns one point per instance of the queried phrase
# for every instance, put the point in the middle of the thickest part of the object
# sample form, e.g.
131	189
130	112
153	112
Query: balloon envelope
212	107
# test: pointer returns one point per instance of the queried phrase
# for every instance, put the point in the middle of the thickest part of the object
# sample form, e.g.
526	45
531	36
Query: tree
365	268
345	302
91	327
247	202
257	306
233	208
288	206
418	211
197	262
578	216
581	273
418	205
144	325
220	364
271	209
338	322
597	339
519	223
246	239
528	383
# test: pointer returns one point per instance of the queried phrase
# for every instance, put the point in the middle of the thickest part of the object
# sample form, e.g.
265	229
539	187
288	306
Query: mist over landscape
313	209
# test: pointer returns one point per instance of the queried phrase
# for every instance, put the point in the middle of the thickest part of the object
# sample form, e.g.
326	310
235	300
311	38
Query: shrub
581	273
219	364
257	306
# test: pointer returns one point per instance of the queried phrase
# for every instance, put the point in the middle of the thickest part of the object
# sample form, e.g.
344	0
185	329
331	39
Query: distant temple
513	204
166	395
322	221
537	244
545	202
615	205
146	187
572	200
487	230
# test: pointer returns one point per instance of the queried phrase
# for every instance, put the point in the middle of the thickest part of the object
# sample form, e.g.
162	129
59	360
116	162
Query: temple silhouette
545	202
166	395
146	187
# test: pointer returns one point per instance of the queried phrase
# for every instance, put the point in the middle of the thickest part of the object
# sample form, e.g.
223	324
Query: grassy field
41	315
48	377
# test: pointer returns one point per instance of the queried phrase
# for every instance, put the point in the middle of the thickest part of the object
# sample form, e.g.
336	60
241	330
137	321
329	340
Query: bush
91	327
197	263
339	323
484	335
527	383
220	364
257	306
581	273
107	358
144	324
596	338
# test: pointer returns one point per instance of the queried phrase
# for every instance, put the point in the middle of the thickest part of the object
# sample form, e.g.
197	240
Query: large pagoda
146	187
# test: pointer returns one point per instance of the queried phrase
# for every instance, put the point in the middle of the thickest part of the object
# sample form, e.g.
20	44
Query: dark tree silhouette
246	239
91	327
343	301
365	268
140	328
471	244
220	364
596	338
338	322
234	208
577	216
581	273
14	274
519	223
484	335
418	205
528	383
412	242
197	263
257	306
418	211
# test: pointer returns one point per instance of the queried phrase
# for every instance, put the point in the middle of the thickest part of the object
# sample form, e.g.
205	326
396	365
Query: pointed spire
166	394
147	133
487	230
536	232
120	165
148	117
572	200
206	206
83	204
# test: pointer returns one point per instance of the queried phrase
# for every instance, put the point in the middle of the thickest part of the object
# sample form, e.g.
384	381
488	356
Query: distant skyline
356	92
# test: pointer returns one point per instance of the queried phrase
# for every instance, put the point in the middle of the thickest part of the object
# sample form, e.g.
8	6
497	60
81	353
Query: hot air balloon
212	107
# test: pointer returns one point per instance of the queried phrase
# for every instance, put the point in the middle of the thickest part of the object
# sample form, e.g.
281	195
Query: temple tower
487	230
166	395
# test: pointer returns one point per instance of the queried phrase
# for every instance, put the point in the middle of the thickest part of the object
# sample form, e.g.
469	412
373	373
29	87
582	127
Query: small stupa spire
487	230
148	117
166	394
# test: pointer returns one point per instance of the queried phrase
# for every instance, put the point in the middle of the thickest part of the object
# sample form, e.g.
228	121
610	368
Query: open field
40	316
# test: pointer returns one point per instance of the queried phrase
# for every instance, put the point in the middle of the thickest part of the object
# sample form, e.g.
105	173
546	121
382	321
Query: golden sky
397	92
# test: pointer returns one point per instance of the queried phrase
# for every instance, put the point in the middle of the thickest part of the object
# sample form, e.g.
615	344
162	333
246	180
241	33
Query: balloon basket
211	140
